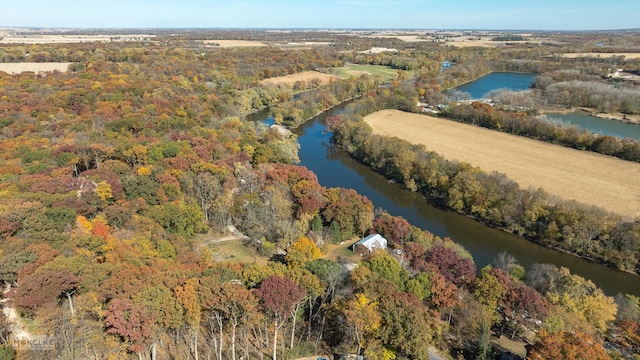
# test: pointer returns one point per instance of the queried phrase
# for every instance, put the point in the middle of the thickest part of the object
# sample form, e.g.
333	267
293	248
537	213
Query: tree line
505	117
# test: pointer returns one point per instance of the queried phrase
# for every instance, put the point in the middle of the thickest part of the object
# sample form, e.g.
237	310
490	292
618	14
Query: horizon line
59	28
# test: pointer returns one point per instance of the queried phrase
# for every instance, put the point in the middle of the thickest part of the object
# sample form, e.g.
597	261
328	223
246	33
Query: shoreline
629	119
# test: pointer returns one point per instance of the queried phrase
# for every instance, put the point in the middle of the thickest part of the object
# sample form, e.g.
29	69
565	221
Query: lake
497	80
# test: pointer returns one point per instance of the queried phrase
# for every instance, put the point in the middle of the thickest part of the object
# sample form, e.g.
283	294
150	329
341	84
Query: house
370	244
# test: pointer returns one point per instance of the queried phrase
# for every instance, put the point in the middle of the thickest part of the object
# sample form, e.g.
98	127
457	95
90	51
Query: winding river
335	168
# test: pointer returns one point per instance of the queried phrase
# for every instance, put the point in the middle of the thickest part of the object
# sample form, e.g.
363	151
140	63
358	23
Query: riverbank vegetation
507	118
117	175
490	198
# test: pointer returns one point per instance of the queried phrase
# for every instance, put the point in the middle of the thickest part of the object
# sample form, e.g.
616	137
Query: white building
371	243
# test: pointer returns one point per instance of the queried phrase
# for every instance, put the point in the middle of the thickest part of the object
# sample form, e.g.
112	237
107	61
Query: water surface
497	80
597	125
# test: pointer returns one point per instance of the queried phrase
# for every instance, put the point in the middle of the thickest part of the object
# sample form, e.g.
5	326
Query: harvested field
67	39
601	55
586	177
233	43
303	76
17	68
487	43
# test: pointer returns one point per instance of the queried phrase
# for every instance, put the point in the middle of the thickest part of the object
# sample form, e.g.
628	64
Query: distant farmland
586	177
69	38
601	55
233	43
17	68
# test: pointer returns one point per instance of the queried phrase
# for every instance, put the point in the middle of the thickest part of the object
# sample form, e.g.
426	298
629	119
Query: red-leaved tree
278	296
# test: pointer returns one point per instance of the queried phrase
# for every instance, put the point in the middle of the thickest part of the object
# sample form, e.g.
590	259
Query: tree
362	318
394	228
454	268
206	187
420	286
131	322
353	212
239	305
329	273
578	295
302	251
163	309
406	325
278	296
467	317
44	287
569	346
488	291
189	296
387	267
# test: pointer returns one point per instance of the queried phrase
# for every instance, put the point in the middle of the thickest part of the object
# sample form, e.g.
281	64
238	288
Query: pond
497	80
596	125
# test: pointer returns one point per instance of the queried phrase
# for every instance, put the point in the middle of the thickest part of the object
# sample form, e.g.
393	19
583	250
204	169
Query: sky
332	14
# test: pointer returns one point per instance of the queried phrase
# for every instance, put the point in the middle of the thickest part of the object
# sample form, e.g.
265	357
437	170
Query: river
335	168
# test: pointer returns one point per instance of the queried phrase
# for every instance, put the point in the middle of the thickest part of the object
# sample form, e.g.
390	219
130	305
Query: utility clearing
586	177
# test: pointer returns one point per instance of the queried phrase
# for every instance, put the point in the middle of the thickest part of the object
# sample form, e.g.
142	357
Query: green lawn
335	251
385	72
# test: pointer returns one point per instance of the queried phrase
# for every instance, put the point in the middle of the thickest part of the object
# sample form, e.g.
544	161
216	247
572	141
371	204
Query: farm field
588	178
601	55
486	42
68	39
17	68
302	76
386	72
233	43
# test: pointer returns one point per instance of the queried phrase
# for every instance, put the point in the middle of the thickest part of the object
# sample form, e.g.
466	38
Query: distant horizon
61	28
490	15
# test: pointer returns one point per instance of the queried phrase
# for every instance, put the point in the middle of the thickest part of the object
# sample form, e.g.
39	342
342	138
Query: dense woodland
116	175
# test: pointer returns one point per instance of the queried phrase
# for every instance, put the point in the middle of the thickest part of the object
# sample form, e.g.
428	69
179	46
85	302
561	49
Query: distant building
370	244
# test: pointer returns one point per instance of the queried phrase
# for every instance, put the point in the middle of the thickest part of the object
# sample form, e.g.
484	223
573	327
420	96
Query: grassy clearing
385	72
302	76
589	178
505	344
236	251
335	251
